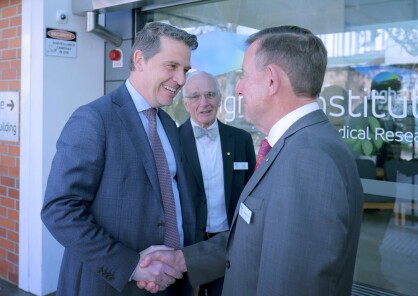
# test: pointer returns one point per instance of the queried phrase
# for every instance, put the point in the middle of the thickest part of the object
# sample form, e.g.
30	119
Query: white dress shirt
211	164
281	126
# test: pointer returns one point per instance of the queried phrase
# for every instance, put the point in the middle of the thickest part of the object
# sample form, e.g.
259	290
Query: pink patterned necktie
262	152
171	237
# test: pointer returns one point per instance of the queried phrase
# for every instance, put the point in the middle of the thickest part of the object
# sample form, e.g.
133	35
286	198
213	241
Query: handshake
158	268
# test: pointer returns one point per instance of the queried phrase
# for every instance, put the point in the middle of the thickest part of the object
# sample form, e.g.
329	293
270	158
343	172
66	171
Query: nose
180	77
203	101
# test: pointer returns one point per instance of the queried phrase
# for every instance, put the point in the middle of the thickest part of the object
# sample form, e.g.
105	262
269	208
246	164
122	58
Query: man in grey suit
105	198
297	224
218	159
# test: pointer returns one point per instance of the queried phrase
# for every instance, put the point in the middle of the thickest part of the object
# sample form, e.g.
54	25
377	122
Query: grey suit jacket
237	146
103	200
306	202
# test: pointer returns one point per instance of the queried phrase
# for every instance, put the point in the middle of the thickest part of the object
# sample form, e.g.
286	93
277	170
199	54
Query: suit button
161	224
228	264
204	201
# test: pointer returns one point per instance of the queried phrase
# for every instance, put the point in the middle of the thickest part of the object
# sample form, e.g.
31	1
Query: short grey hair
300	53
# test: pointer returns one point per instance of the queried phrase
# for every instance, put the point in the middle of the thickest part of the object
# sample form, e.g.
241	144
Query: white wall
52	88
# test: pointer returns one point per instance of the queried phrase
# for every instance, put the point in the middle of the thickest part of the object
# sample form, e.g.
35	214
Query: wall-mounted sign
9	116
61	43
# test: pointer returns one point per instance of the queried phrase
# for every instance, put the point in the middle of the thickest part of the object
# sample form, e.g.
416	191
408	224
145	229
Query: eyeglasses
209	96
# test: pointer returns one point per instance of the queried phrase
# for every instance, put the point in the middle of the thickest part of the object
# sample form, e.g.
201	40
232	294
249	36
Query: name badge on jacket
245	213
240	166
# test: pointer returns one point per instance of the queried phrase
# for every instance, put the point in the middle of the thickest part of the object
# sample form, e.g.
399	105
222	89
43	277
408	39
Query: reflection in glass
370	95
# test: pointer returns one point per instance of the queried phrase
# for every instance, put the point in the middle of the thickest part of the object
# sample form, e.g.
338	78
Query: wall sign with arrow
9	116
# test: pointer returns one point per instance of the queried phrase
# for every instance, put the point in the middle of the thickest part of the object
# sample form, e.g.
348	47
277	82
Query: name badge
245	213
240	165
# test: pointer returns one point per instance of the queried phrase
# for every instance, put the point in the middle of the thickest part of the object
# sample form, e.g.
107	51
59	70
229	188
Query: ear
138	60
274	75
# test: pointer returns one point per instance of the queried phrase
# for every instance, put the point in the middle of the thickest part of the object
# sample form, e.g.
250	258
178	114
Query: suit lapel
127	113
257	175
227	147
307	120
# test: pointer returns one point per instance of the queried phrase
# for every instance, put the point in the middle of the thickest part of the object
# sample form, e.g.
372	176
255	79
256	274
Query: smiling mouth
170	89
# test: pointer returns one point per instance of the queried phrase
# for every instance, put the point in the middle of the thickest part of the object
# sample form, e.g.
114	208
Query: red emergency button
115	54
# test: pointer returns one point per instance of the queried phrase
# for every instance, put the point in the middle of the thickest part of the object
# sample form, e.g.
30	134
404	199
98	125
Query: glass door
369	94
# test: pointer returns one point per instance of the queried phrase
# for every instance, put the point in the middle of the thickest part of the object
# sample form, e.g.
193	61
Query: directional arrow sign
11	105
9	116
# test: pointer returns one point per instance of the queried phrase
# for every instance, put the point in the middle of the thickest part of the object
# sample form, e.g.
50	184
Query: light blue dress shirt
141	104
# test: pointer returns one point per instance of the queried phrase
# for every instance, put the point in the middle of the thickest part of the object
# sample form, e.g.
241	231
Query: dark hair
148	39
300	53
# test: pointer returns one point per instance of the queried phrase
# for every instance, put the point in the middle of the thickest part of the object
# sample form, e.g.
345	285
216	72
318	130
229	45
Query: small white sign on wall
9	116
61	43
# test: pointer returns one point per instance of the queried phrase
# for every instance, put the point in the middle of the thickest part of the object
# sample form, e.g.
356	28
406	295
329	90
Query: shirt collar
213	125
140	103
281	126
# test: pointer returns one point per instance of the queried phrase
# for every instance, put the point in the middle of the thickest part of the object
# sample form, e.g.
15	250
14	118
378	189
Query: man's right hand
173	259
156	275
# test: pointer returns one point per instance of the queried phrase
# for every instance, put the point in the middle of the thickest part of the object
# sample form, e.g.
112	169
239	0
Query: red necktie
171	238
262	152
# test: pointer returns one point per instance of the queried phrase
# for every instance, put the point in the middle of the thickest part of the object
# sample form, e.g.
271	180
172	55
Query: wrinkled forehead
200	81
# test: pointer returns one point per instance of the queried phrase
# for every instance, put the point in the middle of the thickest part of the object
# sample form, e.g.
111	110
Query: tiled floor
387	258
7	289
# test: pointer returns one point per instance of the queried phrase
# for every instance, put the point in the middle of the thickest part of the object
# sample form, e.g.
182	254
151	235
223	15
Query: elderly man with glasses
218	159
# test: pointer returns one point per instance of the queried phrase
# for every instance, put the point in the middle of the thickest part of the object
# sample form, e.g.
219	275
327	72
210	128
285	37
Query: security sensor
61	17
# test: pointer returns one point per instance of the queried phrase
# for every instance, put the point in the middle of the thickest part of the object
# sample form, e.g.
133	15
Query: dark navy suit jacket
103	201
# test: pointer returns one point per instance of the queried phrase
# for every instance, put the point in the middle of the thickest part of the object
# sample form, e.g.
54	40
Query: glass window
369	94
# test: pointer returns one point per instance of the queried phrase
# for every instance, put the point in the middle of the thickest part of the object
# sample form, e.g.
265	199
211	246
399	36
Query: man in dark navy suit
105	200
